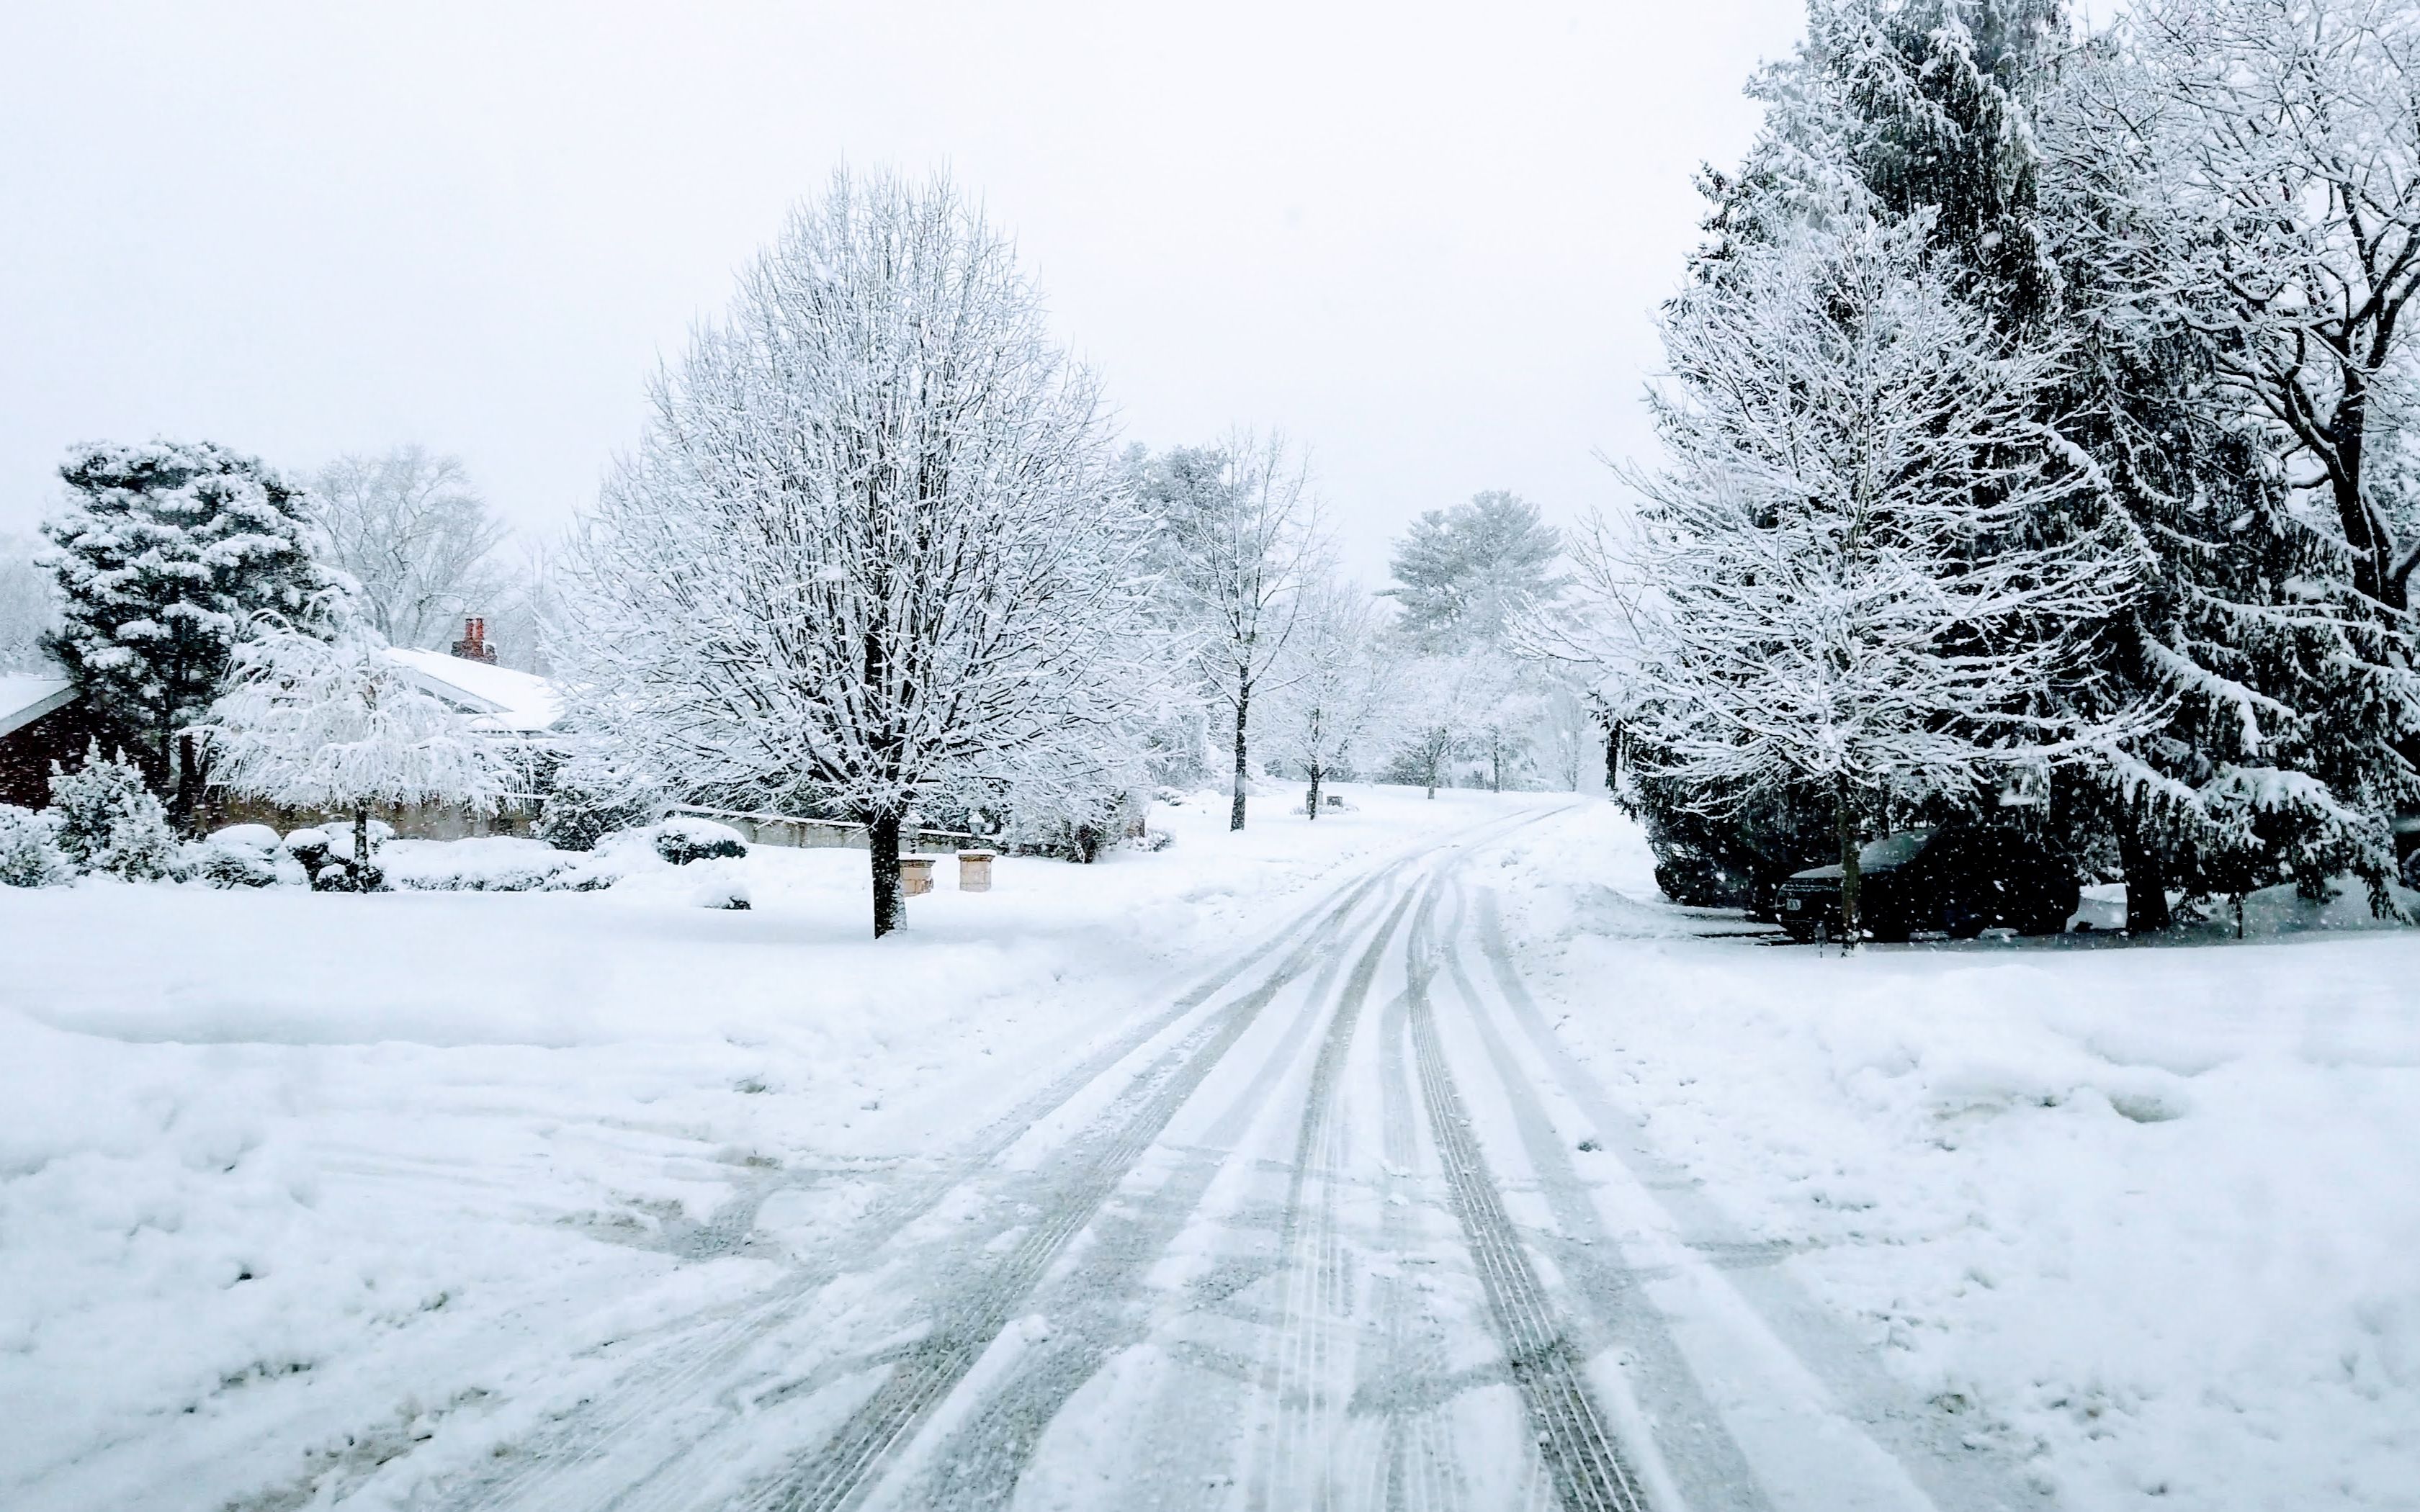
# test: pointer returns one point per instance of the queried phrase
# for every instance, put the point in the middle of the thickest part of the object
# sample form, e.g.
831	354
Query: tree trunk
1313	801
1845	819
1613	758
2373	551
186	794
1243	770
1496	766
883	849
2146	880
361	842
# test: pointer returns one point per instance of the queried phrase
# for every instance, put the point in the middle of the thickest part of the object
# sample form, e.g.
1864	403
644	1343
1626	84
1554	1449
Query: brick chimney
474	645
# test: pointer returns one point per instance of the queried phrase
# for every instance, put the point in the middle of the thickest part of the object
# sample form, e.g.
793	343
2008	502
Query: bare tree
1338	686
416	537
1239	536
2289	133
872	544
1444	705
26	610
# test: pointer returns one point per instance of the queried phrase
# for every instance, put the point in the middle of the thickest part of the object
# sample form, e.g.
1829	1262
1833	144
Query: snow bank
2140	1211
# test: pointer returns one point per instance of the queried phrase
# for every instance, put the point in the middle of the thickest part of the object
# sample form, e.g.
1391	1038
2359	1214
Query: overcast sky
1424	240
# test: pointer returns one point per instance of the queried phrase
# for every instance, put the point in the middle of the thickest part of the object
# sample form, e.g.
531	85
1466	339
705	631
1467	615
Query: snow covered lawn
286	1177
2149	1215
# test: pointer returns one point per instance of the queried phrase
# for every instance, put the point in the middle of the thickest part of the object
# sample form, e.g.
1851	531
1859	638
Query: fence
825	834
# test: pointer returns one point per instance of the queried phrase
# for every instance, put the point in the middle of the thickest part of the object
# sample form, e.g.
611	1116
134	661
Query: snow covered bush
309	847
243	856
685	838
489	863
722	893
588	803
108	820
29	849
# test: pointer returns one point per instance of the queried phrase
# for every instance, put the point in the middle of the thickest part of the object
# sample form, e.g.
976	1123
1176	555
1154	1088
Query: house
499	701
41	721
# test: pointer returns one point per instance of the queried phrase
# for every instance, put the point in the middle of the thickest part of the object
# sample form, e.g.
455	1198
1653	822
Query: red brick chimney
474	645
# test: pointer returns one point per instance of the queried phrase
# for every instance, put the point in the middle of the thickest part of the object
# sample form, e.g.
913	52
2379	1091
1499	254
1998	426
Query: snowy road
1340	1227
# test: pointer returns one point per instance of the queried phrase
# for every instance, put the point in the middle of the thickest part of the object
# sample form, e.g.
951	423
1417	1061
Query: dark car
1961	879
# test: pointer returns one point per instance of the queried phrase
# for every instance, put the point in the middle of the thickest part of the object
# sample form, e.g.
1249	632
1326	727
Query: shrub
685	838
108	820
722	892
584	808
29	849
339	874
309	846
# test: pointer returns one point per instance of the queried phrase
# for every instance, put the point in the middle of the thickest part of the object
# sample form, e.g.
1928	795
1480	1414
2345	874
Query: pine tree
1466	576
108	820
164	555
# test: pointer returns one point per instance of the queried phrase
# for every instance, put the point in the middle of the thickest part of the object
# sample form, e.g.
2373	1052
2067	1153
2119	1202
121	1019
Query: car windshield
1894	850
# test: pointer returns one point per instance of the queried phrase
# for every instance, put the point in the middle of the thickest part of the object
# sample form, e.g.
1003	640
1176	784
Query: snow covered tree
26	615
1238	539
337	726
163	554
414	536
1444	701
29	849
107	821
1466	576
1339	688
872	544
1838	578
2078	196
2290	204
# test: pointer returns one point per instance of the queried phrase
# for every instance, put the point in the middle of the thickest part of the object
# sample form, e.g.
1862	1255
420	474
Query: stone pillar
915	875
974	870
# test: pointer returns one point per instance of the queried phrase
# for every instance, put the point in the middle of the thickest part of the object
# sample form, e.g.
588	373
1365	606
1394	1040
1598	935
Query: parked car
1962	879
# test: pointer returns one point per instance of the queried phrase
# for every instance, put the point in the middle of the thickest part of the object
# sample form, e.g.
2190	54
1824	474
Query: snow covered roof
25	698
499	699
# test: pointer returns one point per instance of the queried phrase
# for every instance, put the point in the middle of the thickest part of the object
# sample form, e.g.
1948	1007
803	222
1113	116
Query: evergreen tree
163	554
107	821
2063	187
1464	576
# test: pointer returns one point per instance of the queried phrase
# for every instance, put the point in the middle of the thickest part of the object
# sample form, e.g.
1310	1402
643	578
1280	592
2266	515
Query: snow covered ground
288	1178
308	1199
2148	1215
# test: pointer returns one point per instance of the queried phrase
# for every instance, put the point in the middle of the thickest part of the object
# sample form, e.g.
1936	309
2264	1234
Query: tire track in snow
1699	1452
1313	1287
853	1461
847	1468
1092	1310
1939	1466
1415	1469
1588	1471
555	1471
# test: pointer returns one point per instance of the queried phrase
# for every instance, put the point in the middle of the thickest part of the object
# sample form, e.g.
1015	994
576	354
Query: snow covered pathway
1311	1236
